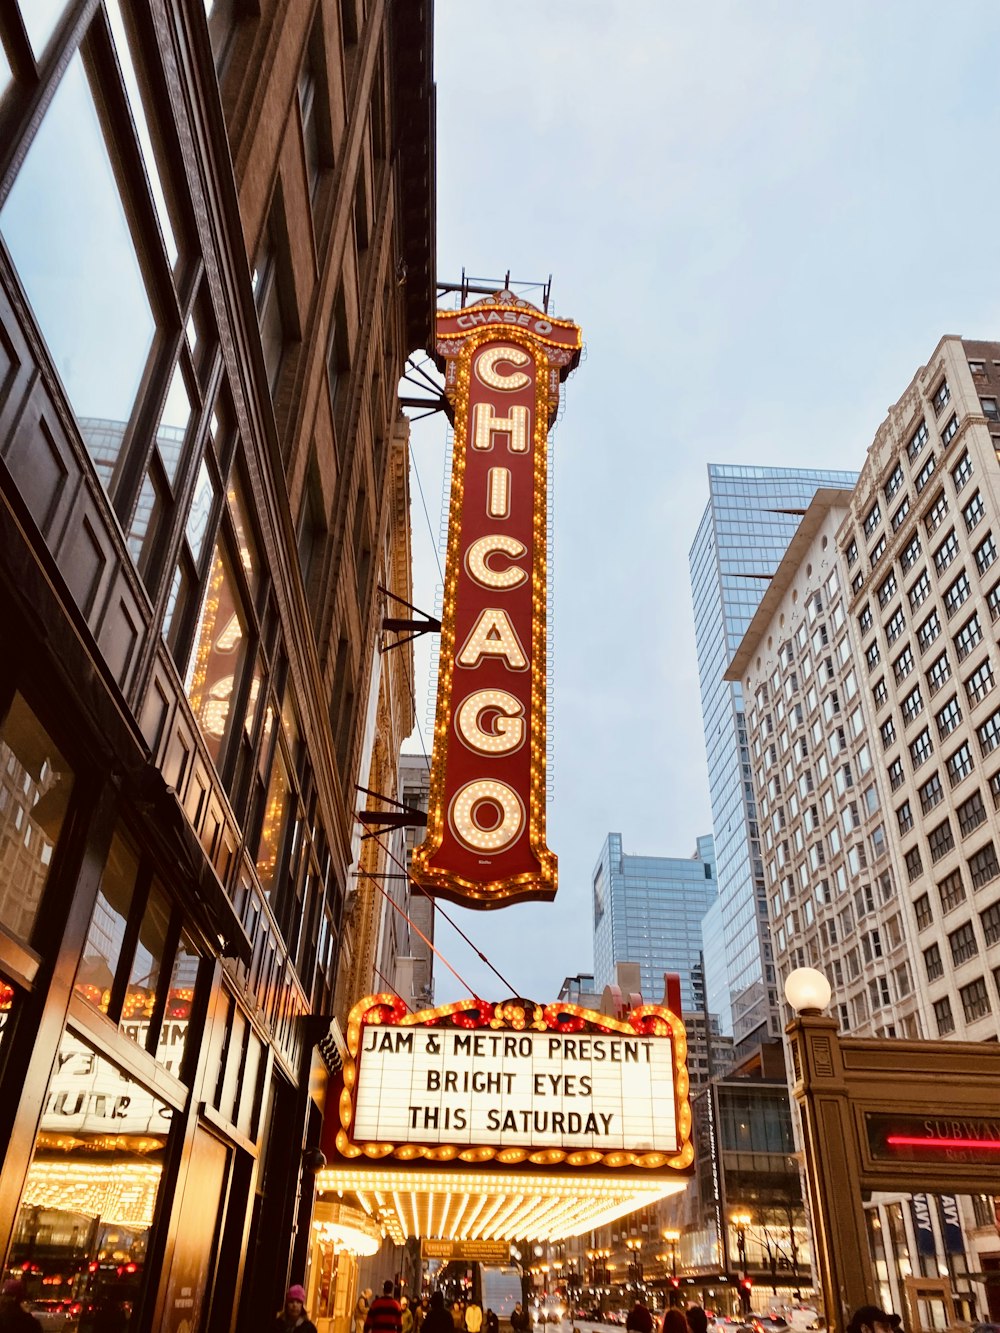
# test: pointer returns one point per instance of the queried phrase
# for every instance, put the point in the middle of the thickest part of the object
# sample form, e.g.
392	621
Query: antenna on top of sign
469	286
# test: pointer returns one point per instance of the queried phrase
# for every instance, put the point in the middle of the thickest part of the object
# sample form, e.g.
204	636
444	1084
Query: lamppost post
740	1222
672	1237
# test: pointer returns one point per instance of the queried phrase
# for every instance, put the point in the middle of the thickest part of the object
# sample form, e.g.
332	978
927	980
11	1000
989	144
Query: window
968	637
69	178
903	665
922	911
269	285
990	922
979	684
933	962
880	694
872	655
920	591
904	817
989	734
911	553
946	552
896	625
973	511
983	866
888	733
894	482
925	474
900	514
941	396
921	748
914	865
962	471
34	794
928	631
887	590
971	814
857	583
865	620
959	764
938	672
943	1017
993	601
917	441
950	431
949	717
852	553
912	706
951	891
936	513
995	790
956	593
895	772
975	1001
931	793
986	553
216	662
977	367
878	551
940	840
872	520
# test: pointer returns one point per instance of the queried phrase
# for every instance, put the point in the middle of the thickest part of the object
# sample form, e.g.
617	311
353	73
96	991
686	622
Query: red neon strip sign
913	1141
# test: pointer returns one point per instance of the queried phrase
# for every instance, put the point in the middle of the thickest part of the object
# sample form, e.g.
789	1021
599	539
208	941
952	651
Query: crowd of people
392	1313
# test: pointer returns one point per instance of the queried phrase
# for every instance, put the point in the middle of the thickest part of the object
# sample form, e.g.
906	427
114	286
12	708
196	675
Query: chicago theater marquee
483	1121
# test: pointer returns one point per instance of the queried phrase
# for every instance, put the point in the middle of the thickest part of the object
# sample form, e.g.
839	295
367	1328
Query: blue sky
764	216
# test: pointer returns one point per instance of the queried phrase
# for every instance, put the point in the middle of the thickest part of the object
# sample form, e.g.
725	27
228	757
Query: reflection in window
66	226
7	995
95	977
275	811
91	1190
35	784
244	533
200	512
217	657
150	950
177	1014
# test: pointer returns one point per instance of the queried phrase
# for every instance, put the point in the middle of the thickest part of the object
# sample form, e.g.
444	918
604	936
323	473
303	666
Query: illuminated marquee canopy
486	842
495	1121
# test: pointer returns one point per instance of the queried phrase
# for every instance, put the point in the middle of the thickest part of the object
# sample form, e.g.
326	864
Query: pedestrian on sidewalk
384	1314
293	1316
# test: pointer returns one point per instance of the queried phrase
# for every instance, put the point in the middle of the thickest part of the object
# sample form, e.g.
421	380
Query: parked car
770	1323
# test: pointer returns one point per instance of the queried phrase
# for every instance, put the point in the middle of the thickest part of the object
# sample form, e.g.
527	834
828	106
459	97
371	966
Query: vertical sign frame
486	829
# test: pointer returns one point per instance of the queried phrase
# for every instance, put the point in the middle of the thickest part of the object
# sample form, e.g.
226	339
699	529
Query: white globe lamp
807	991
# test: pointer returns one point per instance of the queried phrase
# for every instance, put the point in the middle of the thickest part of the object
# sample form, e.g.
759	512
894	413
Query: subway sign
503	362
516	1082
933	1138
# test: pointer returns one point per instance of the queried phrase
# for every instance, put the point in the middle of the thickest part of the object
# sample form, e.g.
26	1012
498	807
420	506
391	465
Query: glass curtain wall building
648	910
751	516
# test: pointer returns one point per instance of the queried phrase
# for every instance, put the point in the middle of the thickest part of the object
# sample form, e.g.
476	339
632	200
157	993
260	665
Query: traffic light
746	1283
675	1282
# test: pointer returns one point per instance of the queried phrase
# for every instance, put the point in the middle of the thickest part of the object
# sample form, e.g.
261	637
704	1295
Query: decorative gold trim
516	1015
544	882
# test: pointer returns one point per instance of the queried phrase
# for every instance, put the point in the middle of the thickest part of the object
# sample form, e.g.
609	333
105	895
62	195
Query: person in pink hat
294	1316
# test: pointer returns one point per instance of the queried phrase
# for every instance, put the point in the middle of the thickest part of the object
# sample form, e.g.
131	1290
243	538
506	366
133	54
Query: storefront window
217	656
177	1014
35	785
106	937
90	1197
66	226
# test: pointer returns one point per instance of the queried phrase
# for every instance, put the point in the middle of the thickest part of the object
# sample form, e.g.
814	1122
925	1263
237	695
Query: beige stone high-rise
874	730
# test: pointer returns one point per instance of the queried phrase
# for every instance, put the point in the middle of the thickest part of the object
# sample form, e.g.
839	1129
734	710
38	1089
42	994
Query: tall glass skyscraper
751	516
648	910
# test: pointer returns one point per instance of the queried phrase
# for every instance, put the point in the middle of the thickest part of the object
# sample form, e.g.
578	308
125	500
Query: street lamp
634	1246
672	1237
807	991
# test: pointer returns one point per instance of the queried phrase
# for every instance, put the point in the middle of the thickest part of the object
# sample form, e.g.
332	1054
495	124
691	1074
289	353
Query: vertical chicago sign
503	361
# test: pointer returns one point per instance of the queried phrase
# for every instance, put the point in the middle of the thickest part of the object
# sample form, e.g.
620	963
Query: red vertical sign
486	841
